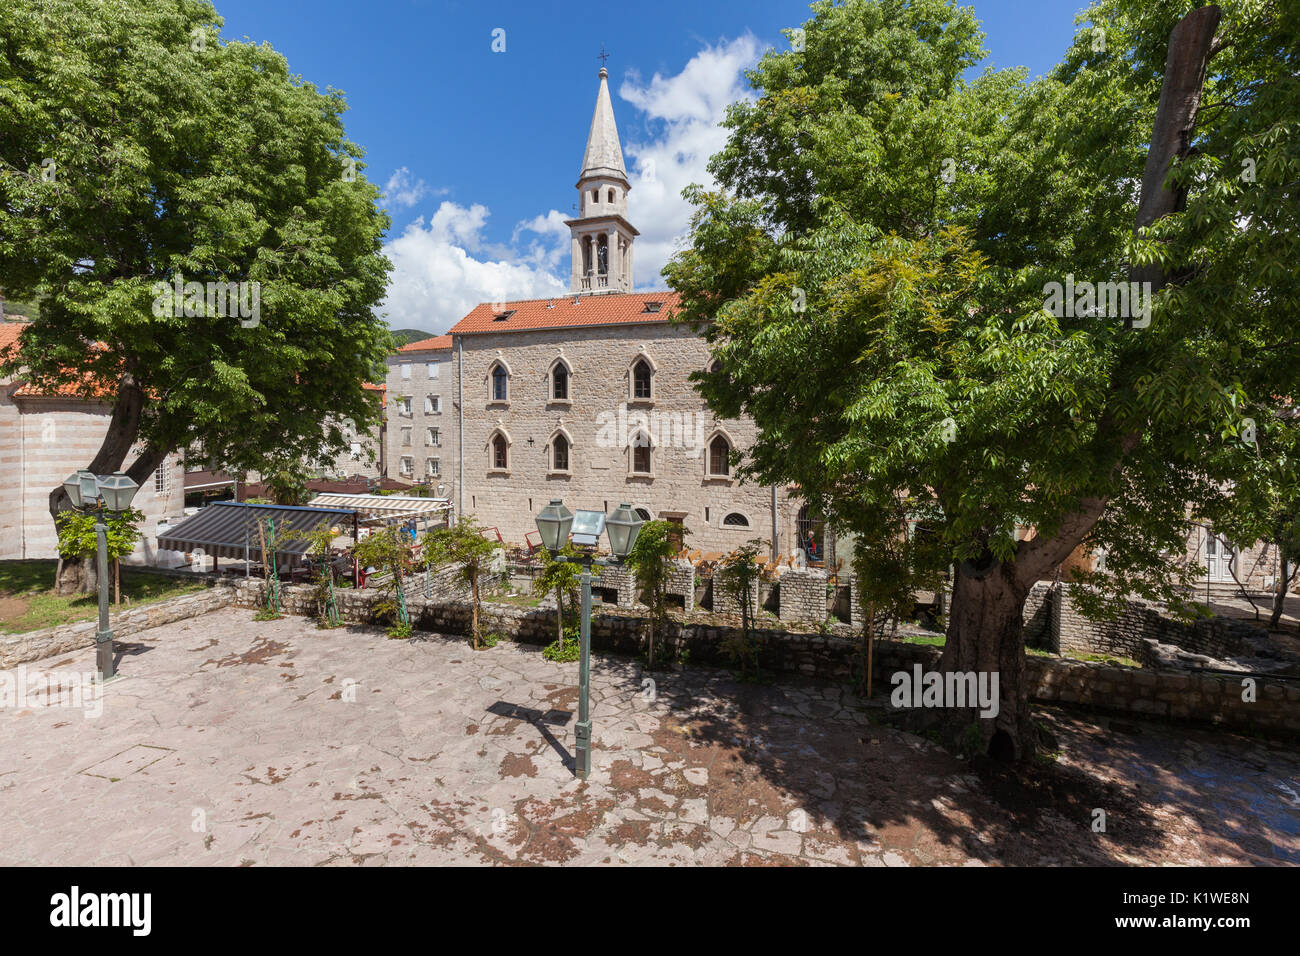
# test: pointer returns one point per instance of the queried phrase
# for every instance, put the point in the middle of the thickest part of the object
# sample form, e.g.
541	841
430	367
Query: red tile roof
85	387
9	332
568	311
434	344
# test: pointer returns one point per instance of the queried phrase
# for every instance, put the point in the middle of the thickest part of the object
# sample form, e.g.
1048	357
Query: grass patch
936	640
517	598
28	603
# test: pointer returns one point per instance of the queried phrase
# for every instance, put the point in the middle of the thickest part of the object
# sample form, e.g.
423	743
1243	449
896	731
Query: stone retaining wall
1199	698
33	645
1141	621
803	595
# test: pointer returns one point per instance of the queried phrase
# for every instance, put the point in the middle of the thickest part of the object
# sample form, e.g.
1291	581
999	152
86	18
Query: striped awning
225	529
383	506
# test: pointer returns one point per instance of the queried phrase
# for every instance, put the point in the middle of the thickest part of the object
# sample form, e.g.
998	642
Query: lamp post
557	525
90	493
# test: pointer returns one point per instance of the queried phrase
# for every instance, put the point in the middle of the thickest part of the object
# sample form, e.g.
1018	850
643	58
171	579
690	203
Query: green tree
463	545
287	484
388	551
138	147
78	540
1264	506
874	275
561	578
656	544
320	552
737	575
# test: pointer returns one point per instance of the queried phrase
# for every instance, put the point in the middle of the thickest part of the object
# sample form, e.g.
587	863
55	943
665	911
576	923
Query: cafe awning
225	529
384	506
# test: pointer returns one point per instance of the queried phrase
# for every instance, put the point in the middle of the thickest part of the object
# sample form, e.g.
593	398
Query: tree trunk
650	653
1279	594
77	575
559	618
984	637
473	594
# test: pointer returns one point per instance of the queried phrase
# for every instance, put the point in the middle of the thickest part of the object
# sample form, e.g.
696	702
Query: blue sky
480	150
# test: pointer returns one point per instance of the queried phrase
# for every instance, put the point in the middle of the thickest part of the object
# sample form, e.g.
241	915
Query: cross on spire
603	55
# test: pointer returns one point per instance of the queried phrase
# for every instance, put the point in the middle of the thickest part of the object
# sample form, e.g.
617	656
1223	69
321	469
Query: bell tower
602	236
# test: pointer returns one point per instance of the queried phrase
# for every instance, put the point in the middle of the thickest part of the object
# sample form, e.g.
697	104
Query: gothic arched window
500	452
719	450
559	453
500	383
560	382
641	379
641	458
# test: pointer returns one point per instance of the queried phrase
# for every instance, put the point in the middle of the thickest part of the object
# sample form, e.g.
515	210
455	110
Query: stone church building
587	397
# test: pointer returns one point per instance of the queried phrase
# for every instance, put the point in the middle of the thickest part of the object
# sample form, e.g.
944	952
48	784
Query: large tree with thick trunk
138	147
875	272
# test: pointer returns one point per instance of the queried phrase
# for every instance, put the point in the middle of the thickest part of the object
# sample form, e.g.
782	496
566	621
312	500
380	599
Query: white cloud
403	190
445	268
687	107
436	280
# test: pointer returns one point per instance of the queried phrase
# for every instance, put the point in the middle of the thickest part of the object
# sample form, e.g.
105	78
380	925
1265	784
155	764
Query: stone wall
621	580
1199	698
598	419
33	645
1039	615
1141	621
803	595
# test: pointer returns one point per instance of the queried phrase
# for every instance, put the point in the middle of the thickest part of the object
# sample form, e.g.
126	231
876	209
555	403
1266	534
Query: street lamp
556	524
90	493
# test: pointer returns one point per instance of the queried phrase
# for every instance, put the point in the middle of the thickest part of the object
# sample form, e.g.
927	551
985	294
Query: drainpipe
775	545
460	426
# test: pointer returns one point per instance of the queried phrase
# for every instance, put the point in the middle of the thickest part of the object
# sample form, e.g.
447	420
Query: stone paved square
240	742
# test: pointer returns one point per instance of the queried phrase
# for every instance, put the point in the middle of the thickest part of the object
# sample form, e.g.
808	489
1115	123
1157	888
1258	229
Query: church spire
602	236
604	155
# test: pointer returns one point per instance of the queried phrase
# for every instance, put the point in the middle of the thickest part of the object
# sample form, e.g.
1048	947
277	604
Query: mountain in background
16	309
407	336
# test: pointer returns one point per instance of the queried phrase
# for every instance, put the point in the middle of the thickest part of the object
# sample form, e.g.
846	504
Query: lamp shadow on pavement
539	719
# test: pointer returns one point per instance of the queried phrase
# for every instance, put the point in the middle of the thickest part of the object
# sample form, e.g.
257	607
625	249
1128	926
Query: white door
1219	556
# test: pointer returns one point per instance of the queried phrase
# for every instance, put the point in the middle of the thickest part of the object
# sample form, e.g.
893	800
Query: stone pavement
234	742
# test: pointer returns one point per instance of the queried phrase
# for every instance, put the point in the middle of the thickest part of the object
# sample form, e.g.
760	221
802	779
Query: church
587	397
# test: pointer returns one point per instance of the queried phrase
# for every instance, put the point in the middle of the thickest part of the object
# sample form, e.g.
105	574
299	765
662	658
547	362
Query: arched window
735	520
641	513
559	453
715	366
641	379
611	195
500	452
602	255
808	523
500	383
719	450
560	382
641	454
595	195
